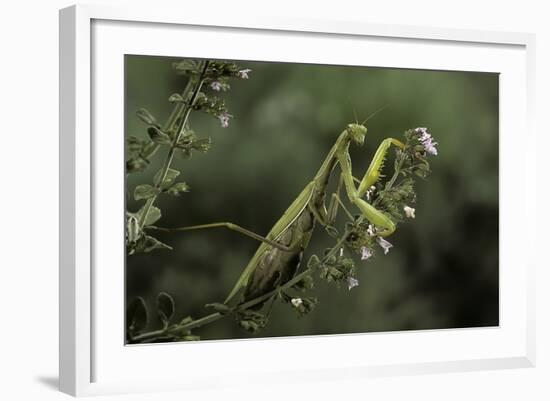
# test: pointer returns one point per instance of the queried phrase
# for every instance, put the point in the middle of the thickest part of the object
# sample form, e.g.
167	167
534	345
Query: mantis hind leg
327	216
233	227
335	202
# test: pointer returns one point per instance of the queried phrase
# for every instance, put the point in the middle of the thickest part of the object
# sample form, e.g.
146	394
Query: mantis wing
288	217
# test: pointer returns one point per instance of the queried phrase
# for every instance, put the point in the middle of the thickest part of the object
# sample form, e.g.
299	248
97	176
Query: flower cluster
360	236
392	197
216	77
224	119
216	86
426	140
337	269
302	305
251	321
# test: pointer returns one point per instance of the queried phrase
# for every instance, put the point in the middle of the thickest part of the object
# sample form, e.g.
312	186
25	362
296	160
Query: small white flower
385	245
370	230
224	119
341	252
365	253
430	148
296	302
216	85
369	192
409	212
352	282
244	73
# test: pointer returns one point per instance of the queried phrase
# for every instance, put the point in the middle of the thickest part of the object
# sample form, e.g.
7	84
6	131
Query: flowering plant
178	138
358	236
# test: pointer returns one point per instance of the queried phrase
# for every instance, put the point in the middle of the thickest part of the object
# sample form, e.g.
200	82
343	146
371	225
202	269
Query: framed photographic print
255	191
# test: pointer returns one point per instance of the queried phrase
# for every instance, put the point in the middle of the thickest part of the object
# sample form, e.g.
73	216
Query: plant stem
169	157
176	112
217	316
180	107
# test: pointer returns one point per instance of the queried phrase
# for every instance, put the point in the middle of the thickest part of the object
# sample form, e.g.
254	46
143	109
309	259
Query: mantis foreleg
355	195
373	172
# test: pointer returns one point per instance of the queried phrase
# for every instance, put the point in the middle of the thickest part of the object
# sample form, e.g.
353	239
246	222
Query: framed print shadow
342	193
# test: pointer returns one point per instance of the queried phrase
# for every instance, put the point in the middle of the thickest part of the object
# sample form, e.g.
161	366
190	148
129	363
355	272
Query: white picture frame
91	362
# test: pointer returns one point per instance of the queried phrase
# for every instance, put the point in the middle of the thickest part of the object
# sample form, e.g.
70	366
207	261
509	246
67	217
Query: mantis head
357	133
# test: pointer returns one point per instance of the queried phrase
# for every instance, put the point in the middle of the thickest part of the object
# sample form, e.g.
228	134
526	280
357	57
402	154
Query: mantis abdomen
276	266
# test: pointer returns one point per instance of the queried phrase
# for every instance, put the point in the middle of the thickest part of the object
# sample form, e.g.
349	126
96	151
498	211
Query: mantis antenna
373	114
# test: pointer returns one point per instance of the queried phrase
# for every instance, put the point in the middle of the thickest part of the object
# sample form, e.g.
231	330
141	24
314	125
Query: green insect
278	258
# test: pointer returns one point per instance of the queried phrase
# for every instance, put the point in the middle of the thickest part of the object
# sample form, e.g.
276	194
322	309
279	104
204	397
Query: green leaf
313	261
169	179
252	321
165	307
202	145
158	136
136	164
187	67
306	306
134	144
145	192
136	316
153	215
151	243
176	98
178	188
146	243
146	117
304	284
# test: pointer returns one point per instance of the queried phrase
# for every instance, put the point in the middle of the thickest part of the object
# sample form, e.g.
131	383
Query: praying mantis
278	257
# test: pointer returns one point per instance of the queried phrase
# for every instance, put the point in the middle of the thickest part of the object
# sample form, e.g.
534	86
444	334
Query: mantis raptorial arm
373	172
355	195
230	226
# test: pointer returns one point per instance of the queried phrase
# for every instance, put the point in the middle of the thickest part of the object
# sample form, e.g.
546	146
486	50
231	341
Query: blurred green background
443	269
